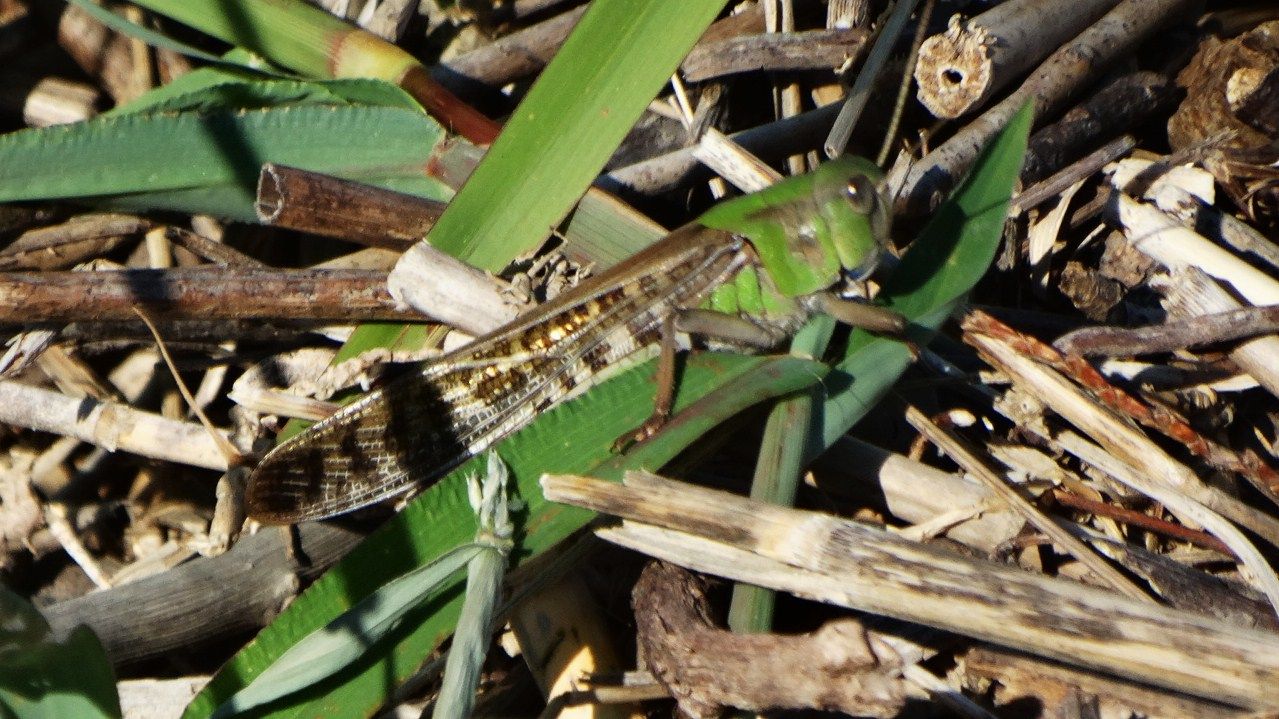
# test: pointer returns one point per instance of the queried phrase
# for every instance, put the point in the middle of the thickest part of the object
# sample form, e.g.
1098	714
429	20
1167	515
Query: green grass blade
345	640
576	437
145	34
615	61
209	161
779	466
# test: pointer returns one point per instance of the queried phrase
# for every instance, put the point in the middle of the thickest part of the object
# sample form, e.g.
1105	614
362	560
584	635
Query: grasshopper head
811	229
850	200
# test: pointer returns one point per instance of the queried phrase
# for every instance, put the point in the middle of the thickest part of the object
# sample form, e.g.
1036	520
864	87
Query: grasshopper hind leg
665	398
728	328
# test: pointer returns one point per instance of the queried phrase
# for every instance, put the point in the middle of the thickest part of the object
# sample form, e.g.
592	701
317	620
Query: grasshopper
750	271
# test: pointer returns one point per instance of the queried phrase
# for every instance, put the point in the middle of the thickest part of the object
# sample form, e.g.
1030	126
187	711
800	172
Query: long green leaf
209	161
573	118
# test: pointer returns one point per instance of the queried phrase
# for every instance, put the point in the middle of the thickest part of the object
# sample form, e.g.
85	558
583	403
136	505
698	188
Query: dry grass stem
964	455
846	563
110	425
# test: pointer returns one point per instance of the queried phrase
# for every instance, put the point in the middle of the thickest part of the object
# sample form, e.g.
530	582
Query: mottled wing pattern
421	425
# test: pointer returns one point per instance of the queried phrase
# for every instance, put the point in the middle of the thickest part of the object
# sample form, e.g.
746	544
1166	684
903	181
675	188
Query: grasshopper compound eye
860	192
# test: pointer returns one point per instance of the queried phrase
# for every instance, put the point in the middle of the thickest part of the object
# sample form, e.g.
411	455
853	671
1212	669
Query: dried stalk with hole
962	68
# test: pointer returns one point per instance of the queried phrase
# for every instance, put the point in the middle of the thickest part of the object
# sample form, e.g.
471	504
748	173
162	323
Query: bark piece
1089	292
1252	181
1232	92
708	669
958	70
171	610
807	50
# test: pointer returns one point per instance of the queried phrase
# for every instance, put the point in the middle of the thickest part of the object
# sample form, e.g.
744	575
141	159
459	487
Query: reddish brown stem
1144	521
326	205
444	106
1161	419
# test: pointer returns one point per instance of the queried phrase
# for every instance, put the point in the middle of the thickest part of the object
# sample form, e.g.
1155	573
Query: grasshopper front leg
864	315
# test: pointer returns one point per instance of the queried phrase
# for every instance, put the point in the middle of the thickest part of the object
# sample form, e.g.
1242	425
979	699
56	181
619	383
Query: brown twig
1119	449
1170	336
960	69
200	293
1137	519
1072	173
524	53
73	241
1156	417
215	252
509	58
899	105
1070	67
805	50
708	669
333	207
1119	105
771	141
